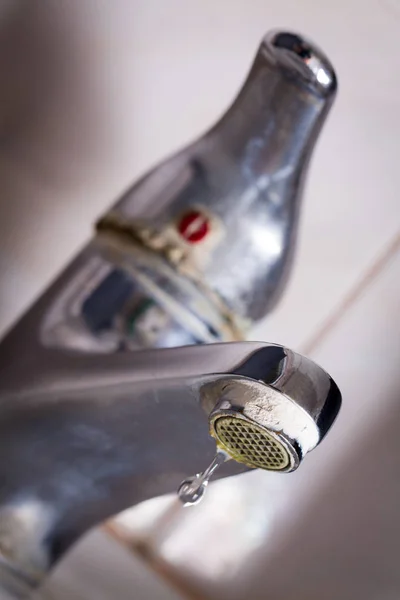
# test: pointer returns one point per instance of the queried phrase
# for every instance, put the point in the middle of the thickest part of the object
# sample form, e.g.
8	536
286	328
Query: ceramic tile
99	567
141	521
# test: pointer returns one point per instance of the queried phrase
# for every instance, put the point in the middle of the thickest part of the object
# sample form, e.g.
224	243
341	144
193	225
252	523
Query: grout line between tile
352	296
143	549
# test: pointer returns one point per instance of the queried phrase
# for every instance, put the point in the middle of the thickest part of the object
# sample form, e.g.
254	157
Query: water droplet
192	489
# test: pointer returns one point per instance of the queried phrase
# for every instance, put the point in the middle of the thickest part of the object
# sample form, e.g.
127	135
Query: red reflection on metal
194	226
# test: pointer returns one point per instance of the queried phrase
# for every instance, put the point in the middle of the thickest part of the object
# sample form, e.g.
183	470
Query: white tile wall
95	92
100	568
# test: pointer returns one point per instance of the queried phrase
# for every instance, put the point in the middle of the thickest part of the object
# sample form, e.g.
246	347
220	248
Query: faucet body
106	398
201	247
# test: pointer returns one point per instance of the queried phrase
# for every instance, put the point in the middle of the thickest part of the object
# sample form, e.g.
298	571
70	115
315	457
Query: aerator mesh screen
250	444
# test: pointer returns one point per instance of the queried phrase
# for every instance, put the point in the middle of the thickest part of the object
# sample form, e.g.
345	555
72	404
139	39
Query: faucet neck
277	115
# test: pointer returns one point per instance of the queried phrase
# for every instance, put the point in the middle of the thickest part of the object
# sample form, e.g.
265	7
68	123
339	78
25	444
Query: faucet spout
85	436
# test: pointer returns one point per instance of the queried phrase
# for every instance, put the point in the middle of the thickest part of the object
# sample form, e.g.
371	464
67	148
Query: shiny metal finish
243	179
202	246
288	403
94	415
85	436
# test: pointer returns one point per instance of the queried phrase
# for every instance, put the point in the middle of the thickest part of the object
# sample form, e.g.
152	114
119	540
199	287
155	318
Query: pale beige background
93	93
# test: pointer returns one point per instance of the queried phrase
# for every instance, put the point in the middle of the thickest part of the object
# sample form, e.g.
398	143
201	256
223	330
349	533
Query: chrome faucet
96	414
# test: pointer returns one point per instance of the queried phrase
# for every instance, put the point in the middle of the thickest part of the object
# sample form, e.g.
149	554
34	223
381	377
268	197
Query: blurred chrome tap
201	247
194	253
